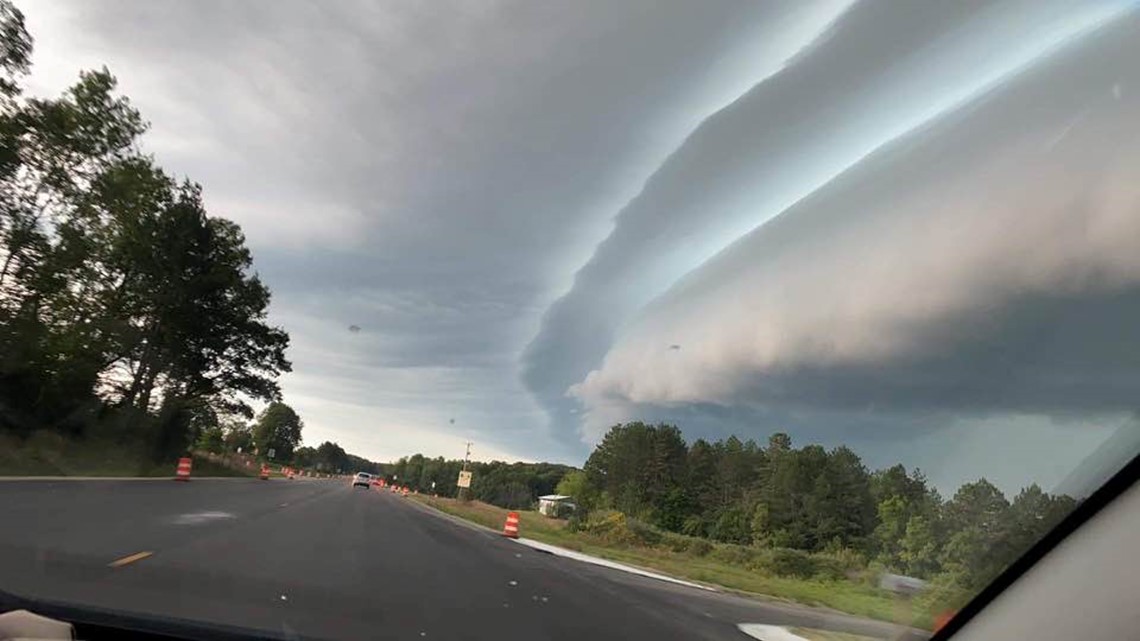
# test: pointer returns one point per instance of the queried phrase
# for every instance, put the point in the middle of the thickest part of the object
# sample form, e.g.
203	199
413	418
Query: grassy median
707	563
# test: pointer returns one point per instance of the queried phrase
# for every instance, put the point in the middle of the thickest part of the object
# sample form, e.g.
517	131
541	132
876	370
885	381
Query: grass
49	454
847	596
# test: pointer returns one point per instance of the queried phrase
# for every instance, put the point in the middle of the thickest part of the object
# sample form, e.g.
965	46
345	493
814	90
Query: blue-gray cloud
880	72
522	207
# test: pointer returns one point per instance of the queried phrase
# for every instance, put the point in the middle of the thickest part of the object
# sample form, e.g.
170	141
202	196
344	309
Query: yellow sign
464	479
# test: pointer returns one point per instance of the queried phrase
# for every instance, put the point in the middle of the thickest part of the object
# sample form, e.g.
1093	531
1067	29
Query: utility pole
464	492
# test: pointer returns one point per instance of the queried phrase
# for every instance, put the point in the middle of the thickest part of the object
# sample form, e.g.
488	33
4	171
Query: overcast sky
913	228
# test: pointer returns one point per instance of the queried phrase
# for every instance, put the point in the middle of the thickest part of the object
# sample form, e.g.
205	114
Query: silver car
362	478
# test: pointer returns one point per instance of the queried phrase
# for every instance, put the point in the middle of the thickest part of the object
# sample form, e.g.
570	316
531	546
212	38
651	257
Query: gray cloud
847	95
844	97
430	172
985	265
512	200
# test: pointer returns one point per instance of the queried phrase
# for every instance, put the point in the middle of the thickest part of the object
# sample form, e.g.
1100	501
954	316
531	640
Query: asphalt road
318	559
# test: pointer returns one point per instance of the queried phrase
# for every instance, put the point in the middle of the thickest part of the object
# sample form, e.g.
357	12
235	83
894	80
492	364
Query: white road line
768	632
586	558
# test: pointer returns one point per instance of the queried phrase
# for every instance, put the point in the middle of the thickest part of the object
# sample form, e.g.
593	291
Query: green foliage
124	306
738	555
698	547
732	526
508	485
806	512
793	563
637	465
212	439
239	436
575	485
278	428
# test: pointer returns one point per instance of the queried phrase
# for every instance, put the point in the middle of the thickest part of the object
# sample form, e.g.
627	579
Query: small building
555	505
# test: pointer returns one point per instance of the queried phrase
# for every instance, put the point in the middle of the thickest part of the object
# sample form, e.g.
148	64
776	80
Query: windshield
640	318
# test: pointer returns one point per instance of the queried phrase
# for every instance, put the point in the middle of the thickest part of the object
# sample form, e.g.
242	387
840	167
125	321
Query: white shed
554	504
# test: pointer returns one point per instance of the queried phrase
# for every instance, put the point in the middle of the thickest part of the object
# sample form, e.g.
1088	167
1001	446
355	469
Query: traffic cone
405	491
264	472
183	473
511	527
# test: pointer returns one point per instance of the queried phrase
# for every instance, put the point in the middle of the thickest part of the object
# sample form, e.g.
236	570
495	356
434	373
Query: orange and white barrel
511	527
183	472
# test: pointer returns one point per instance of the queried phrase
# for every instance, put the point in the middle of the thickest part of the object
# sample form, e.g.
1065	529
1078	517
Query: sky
911	228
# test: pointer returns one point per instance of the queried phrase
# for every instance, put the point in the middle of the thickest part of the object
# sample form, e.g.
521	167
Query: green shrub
732	526
644	533
841	563
828	568
738	555
609	526
793	563
699	547
674	542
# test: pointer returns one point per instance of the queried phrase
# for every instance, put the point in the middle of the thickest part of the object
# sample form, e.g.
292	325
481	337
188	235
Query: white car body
362	478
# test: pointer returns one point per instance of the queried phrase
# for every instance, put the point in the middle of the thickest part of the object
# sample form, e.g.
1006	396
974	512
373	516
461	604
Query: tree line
278	430
126	309
509	485
812	499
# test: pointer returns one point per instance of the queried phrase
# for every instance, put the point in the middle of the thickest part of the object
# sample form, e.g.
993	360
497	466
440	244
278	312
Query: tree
330	456
732	526
637	465
239	436
978	547
919	548
1033	513
212	439
304	457
888	534
15	48
840	507
278	428
121	300
574	484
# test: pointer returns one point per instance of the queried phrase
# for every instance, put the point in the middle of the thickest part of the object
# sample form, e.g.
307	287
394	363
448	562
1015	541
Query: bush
732	526
738	555
611	527
644	533
841	563
829	568
792	563
698	547
674	542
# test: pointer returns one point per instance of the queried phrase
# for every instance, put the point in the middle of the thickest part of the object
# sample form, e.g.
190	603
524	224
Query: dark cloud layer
860	222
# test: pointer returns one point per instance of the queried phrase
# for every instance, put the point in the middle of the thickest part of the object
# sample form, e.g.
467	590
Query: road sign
464	479
271	452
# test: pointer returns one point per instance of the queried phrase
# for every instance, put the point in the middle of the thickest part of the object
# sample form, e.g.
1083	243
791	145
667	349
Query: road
318	559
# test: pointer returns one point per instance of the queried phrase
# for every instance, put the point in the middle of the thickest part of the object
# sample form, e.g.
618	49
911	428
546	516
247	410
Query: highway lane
318	559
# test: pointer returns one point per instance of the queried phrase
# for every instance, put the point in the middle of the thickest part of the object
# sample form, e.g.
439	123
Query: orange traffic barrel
942	619
183	473
511	527
264	472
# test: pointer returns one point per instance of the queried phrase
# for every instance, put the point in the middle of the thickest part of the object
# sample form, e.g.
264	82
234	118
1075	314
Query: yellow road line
138	556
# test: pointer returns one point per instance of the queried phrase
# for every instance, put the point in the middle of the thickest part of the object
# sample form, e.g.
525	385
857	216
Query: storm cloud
857	222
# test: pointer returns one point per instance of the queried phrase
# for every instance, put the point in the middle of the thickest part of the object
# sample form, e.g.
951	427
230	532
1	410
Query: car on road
362	478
